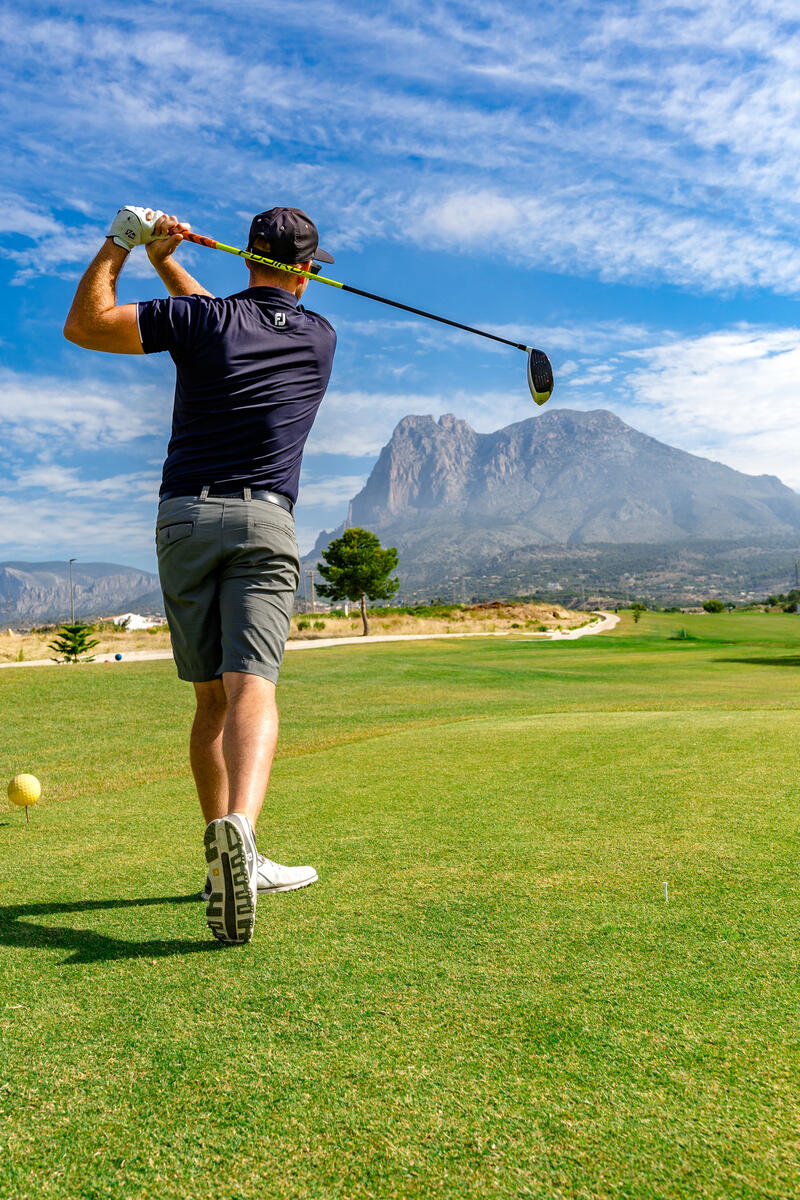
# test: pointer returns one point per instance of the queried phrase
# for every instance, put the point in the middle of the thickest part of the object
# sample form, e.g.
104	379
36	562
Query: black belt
238	494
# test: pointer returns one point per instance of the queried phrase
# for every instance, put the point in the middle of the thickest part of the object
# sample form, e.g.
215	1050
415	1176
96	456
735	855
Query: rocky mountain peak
453	500
31	591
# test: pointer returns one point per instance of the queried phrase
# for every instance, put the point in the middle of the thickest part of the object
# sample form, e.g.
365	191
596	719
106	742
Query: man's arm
160	251
95	320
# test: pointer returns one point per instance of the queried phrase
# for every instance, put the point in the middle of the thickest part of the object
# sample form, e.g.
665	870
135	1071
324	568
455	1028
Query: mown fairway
485	995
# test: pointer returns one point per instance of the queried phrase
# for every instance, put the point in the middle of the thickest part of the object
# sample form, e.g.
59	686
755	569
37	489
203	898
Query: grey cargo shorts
229	570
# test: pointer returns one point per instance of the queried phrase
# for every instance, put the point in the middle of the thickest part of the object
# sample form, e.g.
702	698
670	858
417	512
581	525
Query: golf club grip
200	241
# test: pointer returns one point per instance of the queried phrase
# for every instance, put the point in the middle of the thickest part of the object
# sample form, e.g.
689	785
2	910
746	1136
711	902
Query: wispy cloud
329	489
71	482
731	395
636	142
54	527
590	229
41	413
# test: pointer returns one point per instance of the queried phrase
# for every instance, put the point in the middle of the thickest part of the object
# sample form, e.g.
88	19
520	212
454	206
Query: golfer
252	369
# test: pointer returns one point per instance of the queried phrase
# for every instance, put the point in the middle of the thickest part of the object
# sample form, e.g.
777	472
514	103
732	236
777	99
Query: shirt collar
271	294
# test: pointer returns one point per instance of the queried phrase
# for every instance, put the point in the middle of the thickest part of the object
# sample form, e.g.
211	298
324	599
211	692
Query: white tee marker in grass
24	790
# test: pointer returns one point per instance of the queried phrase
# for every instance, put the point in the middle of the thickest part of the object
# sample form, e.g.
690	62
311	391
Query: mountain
581	491
39	592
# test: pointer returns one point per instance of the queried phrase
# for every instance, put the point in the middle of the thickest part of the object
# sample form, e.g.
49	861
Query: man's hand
134	226
166	237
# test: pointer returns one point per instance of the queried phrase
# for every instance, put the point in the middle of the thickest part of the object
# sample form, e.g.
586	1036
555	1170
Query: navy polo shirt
252	370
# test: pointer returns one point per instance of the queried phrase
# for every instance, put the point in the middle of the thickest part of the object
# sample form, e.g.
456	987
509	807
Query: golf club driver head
540	376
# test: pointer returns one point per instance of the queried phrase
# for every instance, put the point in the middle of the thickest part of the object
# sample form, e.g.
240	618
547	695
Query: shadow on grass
19	927
789	660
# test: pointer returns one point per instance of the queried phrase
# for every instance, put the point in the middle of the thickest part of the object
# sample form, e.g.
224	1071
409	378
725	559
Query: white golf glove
133	226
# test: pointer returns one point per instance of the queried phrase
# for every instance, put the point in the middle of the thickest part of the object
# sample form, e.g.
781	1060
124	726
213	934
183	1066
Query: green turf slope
485	995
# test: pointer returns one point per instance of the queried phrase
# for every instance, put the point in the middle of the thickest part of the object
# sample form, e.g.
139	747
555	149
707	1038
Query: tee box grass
485	994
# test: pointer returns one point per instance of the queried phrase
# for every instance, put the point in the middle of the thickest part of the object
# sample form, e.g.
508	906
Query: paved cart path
607	621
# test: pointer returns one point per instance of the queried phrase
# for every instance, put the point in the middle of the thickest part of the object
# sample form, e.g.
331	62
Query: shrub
714	606
303	623
319	624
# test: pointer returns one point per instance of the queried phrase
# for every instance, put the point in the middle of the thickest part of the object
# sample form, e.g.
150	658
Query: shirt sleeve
169	324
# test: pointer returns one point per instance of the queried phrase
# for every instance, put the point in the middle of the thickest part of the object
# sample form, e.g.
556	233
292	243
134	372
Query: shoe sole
231	908
289	887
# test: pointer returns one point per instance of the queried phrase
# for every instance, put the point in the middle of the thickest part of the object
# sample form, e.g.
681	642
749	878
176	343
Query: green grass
484	995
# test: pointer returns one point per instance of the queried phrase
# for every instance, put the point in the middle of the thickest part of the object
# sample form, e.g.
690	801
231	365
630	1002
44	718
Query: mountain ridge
443	493
39	591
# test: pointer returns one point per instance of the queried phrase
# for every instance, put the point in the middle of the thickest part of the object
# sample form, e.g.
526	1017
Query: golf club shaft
345	287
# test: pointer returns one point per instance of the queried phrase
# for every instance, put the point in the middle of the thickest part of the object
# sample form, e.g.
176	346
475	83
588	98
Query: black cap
291	236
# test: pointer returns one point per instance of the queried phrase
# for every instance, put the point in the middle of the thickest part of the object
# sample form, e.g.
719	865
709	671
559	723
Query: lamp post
71	593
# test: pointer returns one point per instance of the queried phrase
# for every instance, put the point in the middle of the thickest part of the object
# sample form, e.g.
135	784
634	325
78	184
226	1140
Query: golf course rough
485	994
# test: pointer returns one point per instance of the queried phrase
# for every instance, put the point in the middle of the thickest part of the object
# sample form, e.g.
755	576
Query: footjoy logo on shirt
279	319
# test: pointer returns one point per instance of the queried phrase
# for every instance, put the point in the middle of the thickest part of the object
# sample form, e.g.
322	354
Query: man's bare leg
249	738
205	749
233	745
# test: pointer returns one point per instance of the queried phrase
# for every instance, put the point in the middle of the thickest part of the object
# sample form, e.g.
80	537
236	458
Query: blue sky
616	183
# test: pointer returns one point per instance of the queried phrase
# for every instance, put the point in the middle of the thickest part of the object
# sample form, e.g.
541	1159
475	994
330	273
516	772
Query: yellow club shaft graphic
540	372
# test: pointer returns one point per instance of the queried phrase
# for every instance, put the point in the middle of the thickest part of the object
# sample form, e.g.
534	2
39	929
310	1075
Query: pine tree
72	642
357	568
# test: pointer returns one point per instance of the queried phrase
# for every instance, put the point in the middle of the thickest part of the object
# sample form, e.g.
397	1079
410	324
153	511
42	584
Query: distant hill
32	593
581	492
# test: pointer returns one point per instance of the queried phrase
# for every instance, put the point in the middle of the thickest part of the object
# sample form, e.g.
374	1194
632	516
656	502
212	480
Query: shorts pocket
168	534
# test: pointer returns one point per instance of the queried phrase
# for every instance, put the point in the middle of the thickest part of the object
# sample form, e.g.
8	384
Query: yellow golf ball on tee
24	790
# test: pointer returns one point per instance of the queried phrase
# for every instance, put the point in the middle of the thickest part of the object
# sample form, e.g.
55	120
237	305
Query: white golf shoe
232	869
272	877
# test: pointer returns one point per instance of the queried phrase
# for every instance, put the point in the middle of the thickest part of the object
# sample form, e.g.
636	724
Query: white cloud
39	411
329	489
18	215
70	482
58	527
637	142
592	230
732	395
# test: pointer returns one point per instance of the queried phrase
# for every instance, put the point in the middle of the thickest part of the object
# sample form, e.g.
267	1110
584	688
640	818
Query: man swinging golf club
252	370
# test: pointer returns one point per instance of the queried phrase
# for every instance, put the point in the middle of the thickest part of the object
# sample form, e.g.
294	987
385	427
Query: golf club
540	372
